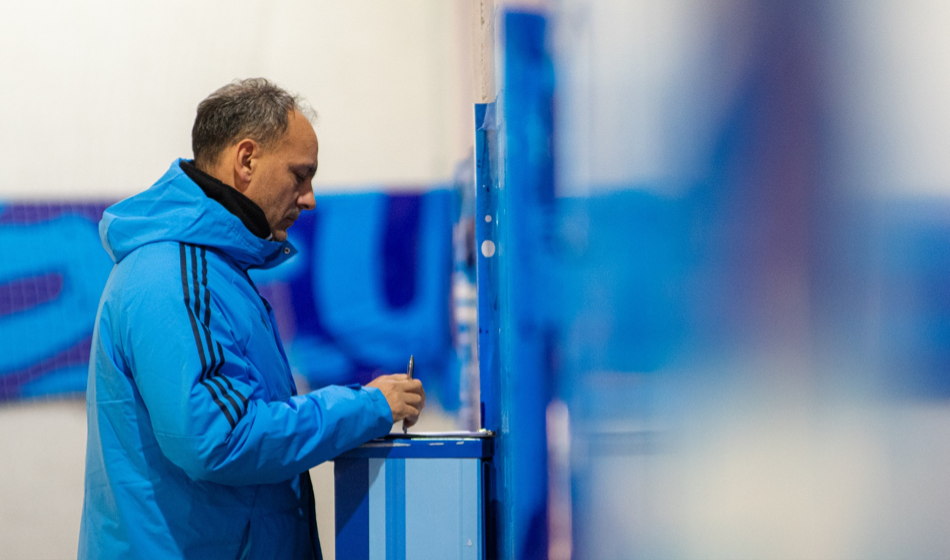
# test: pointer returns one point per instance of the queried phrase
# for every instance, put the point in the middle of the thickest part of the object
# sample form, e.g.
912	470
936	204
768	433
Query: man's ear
245	162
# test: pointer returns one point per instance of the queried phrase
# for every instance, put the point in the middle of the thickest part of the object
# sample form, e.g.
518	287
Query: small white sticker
488	248
488	217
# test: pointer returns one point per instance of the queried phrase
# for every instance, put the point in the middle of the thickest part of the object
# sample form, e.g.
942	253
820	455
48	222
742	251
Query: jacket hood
176	209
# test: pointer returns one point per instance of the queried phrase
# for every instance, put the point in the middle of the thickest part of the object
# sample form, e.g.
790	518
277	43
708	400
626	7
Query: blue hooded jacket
198	443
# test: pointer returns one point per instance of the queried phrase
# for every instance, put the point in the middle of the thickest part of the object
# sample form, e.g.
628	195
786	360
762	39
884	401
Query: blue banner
369	287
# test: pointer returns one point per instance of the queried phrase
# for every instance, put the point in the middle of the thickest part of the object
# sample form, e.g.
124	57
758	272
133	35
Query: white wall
98	97
41	479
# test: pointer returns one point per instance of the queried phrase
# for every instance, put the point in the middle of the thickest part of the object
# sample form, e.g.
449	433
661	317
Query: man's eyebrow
310	169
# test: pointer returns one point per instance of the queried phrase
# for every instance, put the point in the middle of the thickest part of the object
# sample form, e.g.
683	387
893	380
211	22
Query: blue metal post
486	240
527	338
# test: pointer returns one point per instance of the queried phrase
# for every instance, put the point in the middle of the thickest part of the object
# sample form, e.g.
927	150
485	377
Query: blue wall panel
369	287
521	383
52	271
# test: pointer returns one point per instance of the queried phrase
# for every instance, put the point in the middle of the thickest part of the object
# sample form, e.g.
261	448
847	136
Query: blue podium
413	497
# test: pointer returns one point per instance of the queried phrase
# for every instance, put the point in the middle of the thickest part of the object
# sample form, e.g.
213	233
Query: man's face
281	177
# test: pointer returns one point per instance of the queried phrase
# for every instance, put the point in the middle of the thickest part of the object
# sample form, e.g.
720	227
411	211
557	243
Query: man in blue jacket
199	445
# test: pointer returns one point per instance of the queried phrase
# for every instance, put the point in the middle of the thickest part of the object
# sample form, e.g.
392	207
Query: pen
408	371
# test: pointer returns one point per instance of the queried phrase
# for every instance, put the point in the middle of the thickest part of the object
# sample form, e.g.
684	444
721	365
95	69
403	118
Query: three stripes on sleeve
210	351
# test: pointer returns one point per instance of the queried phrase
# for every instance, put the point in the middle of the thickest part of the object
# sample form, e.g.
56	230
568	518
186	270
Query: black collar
232	199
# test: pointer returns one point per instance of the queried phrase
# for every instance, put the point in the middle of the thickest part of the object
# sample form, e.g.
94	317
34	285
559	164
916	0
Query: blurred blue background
751	256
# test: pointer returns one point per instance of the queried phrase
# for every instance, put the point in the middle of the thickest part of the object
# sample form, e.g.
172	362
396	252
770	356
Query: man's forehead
300	121
302	139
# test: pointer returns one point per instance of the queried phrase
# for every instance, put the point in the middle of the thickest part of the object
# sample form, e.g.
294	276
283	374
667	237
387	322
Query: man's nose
308	201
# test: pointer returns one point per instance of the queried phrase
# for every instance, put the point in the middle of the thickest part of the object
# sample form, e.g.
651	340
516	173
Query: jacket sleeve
205	413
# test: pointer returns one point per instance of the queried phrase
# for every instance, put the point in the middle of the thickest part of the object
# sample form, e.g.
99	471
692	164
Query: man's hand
405	396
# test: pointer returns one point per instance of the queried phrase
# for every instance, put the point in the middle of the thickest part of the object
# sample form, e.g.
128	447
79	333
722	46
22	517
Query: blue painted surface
442	508
378	512
395	509
351	485
527	337
487	279
417	509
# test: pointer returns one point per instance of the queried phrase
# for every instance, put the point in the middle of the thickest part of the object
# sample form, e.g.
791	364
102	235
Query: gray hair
254	108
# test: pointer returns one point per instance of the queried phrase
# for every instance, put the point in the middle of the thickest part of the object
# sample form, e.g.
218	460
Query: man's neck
219	172
232	199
